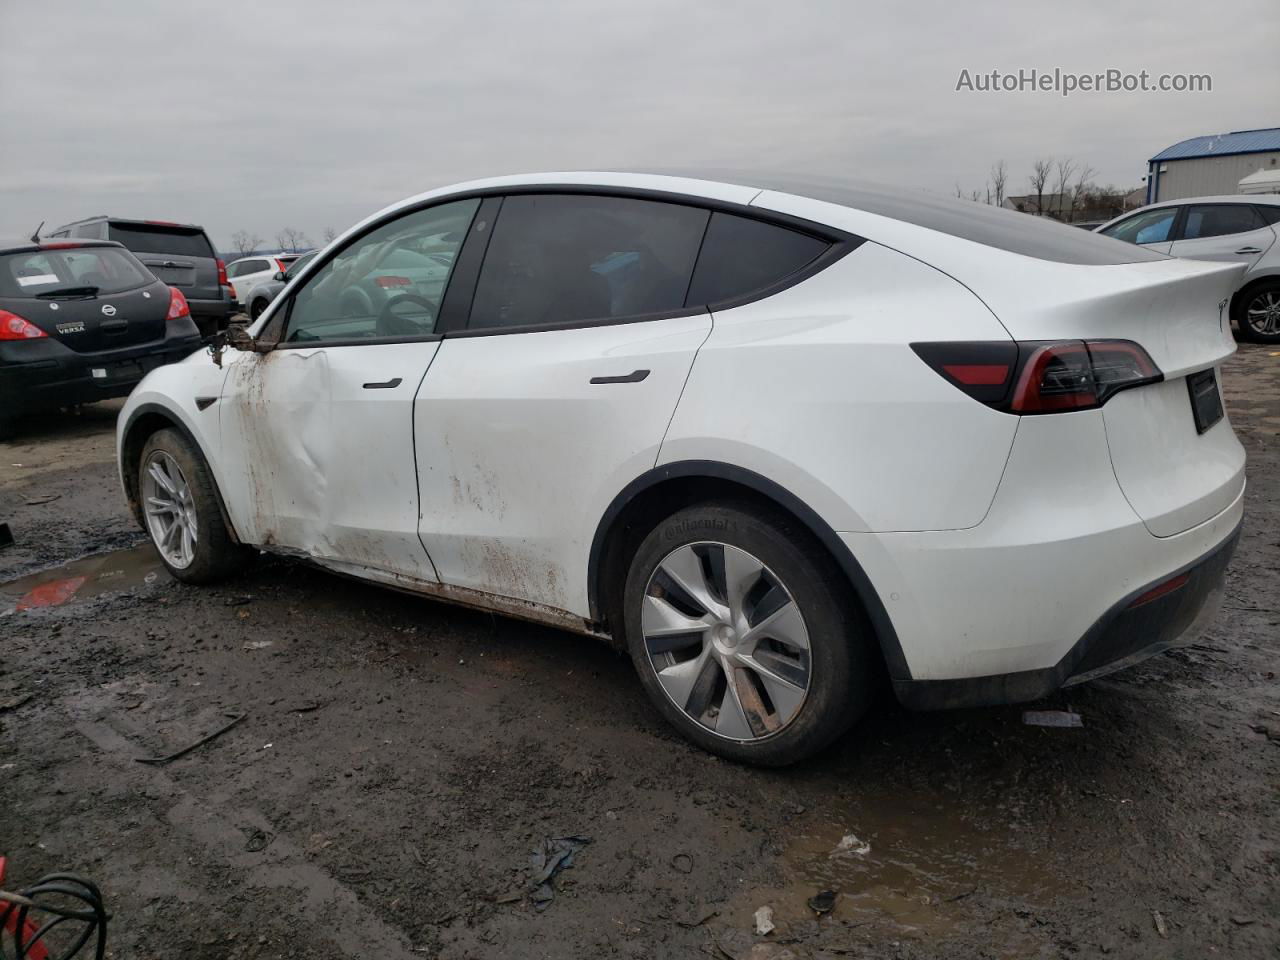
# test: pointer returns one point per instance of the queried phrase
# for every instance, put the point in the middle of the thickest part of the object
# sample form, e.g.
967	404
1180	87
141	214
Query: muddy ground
399	761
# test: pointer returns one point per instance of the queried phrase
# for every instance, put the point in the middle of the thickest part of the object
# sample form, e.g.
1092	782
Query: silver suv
1234	229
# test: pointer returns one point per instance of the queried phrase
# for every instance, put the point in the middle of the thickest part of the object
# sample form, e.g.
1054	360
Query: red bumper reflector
1160	590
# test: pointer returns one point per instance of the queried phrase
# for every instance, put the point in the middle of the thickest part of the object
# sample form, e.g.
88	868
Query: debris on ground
41	501
682	863
15	702
850	845
1052	718
548	859
238	601
160	761
697	917
764	921
1161	929
822	902
259	644
739	945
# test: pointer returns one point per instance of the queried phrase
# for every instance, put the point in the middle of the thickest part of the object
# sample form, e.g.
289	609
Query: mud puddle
917	871
83	579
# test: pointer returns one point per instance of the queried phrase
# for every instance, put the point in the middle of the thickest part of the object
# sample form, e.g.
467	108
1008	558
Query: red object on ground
50	594
9	916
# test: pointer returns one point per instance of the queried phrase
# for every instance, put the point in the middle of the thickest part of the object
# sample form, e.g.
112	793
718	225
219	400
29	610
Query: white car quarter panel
817	389
519	454
1060	546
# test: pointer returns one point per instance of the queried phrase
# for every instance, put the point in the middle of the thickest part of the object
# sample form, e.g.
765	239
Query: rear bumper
1133	629
211	315
44	374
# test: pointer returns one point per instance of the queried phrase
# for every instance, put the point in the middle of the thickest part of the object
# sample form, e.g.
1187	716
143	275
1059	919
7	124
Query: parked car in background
1233	229
82	320
179	254
247	272
776	438
263	291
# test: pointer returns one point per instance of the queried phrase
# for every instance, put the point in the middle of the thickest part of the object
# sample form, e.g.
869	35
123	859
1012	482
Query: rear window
143	238
39	272
740	256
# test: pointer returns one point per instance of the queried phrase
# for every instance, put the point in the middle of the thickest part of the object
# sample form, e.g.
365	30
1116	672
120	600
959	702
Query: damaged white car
779	440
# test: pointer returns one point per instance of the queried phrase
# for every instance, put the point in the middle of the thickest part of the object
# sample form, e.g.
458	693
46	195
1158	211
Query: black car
180	254
82	320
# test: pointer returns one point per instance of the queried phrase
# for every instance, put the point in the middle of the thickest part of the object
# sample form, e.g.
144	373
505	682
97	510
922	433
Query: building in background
1089	204
1212	166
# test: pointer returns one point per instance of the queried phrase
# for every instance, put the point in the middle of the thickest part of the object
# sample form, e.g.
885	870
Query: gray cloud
313	114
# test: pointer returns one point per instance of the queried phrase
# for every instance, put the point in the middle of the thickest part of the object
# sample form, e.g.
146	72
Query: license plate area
1206	400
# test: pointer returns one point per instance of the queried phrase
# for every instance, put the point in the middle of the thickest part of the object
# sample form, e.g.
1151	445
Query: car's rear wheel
744	635
181	510
1258	313
255	310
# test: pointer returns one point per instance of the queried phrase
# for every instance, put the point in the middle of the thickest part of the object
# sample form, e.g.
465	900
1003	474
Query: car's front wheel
1258	313
256	309
181	510
744	634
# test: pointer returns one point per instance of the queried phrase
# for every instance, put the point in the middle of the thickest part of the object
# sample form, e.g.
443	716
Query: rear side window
564	259
741	256
45	272
1270	213
141	238
246	267
1219	220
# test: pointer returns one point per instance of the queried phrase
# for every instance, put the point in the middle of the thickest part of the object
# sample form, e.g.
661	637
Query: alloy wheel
170	509
726	640
1263	312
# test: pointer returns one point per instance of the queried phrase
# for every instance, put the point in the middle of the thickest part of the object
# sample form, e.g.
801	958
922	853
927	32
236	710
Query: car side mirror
280	276
239	338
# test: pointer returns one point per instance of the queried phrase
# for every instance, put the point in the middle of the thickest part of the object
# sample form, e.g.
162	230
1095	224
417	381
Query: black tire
841	665
1256	296
8	428
216	555
256	308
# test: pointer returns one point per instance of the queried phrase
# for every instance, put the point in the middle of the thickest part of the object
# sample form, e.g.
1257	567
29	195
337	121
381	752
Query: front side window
1207	220
1153	226
741	256
558	259
388	283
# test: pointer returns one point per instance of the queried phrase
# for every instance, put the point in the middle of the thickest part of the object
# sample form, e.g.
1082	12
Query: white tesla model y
777	439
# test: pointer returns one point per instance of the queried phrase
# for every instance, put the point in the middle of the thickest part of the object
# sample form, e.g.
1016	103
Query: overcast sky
259	115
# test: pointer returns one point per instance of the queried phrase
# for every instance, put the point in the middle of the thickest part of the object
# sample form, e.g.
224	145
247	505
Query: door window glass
1152	226
741	255
388	283
1219	220
564	259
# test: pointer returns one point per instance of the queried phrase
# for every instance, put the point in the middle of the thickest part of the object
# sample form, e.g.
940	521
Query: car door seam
413	439
711	326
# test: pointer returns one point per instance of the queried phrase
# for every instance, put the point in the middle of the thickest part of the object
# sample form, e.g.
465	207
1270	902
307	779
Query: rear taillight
14	327
177	305
1040	377
222	274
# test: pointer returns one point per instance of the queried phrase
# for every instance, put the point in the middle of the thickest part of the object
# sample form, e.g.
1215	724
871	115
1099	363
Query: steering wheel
390	325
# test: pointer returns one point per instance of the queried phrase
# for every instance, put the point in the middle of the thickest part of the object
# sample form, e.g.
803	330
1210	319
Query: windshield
45	272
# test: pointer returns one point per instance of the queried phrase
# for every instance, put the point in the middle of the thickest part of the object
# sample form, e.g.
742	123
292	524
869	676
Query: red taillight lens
177	305
1038	377
391	281
14	327
222	274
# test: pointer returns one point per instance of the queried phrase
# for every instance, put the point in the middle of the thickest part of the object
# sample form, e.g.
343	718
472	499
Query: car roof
52	243
1272	199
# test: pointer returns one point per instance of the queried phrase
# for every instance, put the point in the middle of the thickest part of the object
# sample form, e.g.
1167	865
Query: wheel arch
144	421
1271	276
670	487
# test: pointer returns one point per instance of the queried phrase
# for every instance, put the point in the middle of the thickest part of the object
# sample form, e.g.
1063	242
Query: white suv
775	439
1233	229
247	272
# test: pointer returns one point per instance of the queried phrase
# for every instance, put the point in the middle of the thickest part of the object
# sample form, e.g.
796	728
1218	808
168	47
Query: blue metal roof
1223	144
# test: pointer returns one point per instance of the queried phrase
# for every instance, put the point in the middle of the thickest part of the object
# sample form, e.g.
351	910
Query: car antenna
35	237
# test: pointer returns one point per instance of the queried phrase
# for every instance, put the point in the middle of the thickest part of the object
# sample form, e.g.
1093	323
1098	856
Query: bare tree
959	192
329	234
1084	178
291	239
999	176
245	242
1039	177
1066	168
